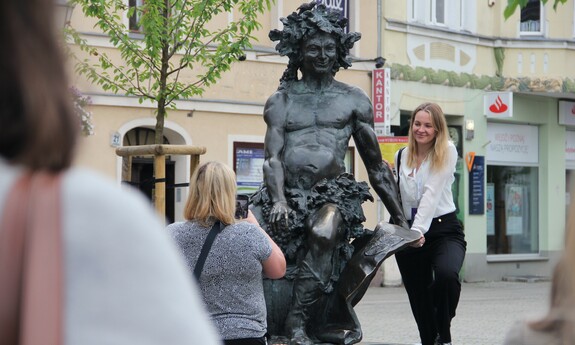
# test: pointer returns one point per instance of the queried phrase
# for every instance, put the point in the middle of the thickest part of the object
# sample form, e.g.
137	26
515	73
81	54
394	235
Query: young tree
513	4
175	37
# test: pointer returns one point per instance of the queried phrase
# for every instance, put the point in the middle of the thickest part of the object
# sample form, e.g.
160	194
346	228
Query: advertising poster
249	173
514	209
389	146
490	208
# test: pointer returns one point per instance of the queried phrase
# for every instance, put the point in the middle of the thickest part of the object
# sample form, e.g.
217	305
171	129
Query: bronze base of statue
334	320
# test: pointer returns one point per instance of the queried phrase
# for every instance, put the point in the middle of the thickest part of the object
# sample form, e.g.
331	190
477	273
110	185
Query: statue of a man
308	204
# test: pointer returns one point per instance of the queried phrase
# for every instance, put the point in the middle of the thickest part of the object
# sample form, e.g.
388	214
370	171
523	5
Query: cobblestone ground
485	313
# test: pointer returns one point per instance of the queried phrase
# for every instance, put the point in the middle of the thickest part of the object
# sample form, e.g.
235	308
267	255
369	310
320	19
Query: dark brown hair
38	128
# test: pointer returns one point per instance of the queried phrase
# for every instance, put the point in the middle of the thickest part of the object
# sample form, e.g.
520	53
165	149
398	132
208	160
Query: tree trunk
160	159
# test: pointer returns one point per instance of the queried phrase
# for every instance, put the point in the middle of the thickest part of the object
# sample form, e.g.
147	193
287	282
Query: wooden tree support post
159	152
160	183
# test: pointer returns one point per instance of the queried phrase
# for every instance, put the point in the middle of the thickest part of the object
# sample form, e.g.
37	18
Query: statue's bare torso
318	128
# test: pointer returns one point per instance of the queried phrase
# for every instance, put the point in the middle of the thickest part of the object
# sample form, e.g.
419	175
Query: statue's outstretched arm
380	175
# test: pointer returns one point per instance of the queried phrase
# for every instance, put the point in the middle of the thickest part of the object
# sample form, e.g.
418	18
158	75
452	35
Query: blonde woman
242	253
430	266
558	326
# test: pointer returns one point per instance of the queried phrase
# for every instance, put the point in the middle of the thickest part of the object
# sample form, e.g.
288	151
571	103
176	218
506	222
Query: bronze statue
308	204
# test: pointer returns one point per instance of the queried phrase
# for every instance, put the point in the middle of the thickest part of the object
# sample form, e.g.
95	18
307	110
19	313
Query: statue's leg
315	271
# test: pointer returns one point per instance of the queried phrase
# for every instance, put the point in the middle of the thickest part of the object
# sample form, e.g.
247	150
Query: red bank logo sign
498	104
566	113
381	101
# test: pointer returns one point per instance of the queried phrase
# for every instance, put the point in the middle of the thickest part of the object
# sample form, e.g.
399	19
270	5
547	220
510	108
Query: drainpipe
379	19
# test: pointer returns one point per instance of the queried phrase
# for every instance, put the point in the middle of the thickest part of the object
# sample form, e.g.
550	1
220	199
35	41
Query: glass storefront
569	185
512	189
512	210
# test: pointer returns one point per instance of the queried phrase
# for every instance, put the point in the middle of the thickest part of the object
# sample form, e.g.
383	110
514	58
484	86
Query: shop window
531	18
512	210
569	189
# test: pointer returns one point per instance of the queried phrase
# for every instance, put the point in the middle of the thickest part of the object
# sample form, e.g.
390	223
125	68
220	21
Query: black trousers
246	341
431	277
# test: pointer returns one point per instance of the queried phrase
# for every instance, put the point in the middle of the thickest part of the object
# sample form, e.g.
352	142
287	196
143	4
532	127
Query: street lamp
64	9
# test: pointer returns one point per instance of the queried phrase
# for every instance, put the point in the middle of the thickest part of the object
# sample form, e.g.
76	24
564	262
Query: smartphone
242	203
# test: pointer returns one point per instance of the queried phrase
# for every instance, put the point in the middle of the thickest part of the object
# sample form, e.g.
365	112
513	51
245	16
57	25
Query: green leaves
513	4
176	37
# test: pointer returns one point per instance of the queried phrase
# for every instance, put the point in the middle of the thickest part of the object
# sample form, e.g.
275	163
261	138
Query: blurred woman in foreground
118	278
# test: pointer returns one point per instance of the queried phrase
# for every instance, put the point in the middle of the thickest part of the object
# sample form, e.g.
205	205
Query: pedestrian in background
430	266
557	327
242	253
117	277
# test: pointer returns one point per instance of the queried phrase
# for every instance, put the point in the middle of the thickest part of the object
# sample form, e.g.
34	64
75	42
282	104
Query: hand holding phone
242	203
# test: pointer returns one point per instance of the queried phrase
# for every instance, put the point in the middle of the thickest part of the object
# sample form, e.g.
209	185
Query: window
134	19
417	11
444	13
531	18
438	11
512	190
467	14
512	211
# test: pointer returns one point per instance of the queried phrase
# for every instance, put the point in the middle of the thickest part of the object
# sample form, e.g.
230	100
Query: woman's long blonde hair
560	319
212	194
438	154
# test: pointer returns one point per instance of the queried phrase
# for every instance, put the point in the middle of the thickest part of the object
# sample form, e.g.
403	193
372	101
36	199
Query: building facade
506	86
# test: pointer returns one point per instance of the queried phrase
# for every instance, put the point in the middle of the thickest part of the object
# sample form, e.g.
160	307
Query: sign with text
476	186
248	163
566	113
381	96
389	146
341	5
512	143
498	104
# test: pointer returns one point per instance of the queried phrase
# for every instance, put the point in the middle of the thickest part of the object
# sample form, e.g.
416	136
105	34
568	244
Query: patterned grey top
231	281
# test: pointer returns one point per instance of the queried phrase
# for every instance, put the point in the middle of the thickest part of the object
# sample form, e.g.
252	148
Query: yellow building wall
254	80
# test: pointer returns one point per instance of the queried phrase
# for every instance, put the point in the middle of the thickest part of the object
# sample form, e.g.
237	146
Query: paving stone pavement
485	313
